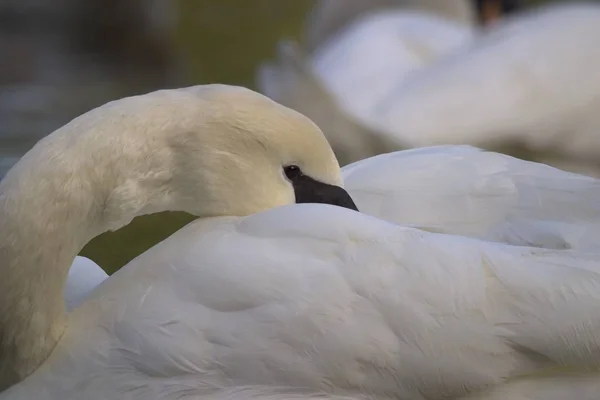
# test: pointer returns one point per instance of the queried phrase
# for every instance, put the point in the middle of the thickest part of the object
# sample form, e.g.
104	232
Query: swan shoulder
294	293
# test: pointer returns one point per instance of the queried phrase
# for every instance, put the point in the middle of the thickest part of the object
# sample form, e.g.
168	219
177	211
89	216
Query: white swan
301	298
467	191
84	275
528	83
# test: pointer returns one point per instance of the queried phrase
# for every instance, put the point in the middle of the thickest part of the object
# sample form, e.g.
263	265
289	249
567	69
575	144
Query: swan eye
292	172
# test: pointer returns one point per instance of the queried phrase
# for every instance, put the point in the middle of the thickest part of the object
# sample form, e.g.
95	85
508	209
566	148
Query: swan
84	275
261	295
468	191
534	85
522	86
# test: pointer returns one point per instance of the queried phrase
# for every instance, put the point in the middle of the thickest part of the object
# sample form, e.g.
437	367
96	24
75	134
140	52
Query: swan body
84	275
330	300
388	45
467	191
260	295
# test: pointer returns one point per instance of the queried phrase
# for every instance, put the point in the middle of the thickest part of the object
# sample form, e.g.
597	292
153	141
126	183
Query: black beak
309	190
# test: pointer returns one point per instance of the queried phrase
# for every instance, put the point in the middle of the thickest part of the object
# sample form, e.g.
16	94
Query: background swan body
467	191
388	45
533	84
527	86
84	275
330	17
327	299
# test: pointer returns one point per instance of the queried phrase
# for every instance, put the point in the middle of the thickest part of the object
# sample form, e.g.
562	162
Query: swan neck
43	227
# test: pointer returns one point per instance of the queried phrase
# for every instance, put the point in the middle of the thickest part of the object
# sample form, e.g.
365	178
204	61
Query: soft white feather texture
382	49
530	80
327	299
84	275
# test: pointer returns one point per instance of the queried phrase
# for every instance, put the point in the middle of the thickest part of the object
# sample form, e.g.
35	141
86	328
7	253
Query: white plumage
84	275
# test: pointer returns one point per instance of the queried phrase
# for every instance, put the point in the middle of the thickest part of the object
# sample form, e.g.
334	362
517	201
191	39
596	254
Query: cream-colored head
234	160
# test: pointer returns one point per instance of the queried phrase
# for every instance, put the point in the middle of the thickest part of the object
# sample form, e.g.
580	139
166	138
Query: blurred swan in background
526	86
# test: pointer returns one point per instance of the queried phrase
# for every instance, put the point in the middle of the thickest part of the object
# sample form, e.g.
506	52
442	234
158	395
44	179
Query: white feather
84	275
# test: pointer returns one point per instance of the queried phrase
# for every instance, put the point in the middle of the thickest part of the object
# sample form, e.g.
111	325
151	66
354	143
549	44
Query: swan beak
309	190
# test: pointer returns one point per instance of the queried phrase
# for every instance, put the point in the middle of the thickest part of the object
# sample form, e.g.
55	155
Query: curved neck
44	224
56	199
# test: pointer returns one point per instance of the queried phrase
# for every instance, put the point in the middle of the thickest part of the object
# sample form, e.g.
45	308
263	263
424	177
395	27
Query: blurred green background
106	49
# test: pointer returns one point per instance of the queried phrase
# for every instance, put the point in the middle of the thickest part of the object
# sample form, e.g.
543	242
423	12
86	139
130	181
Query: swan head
250	154
214	150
